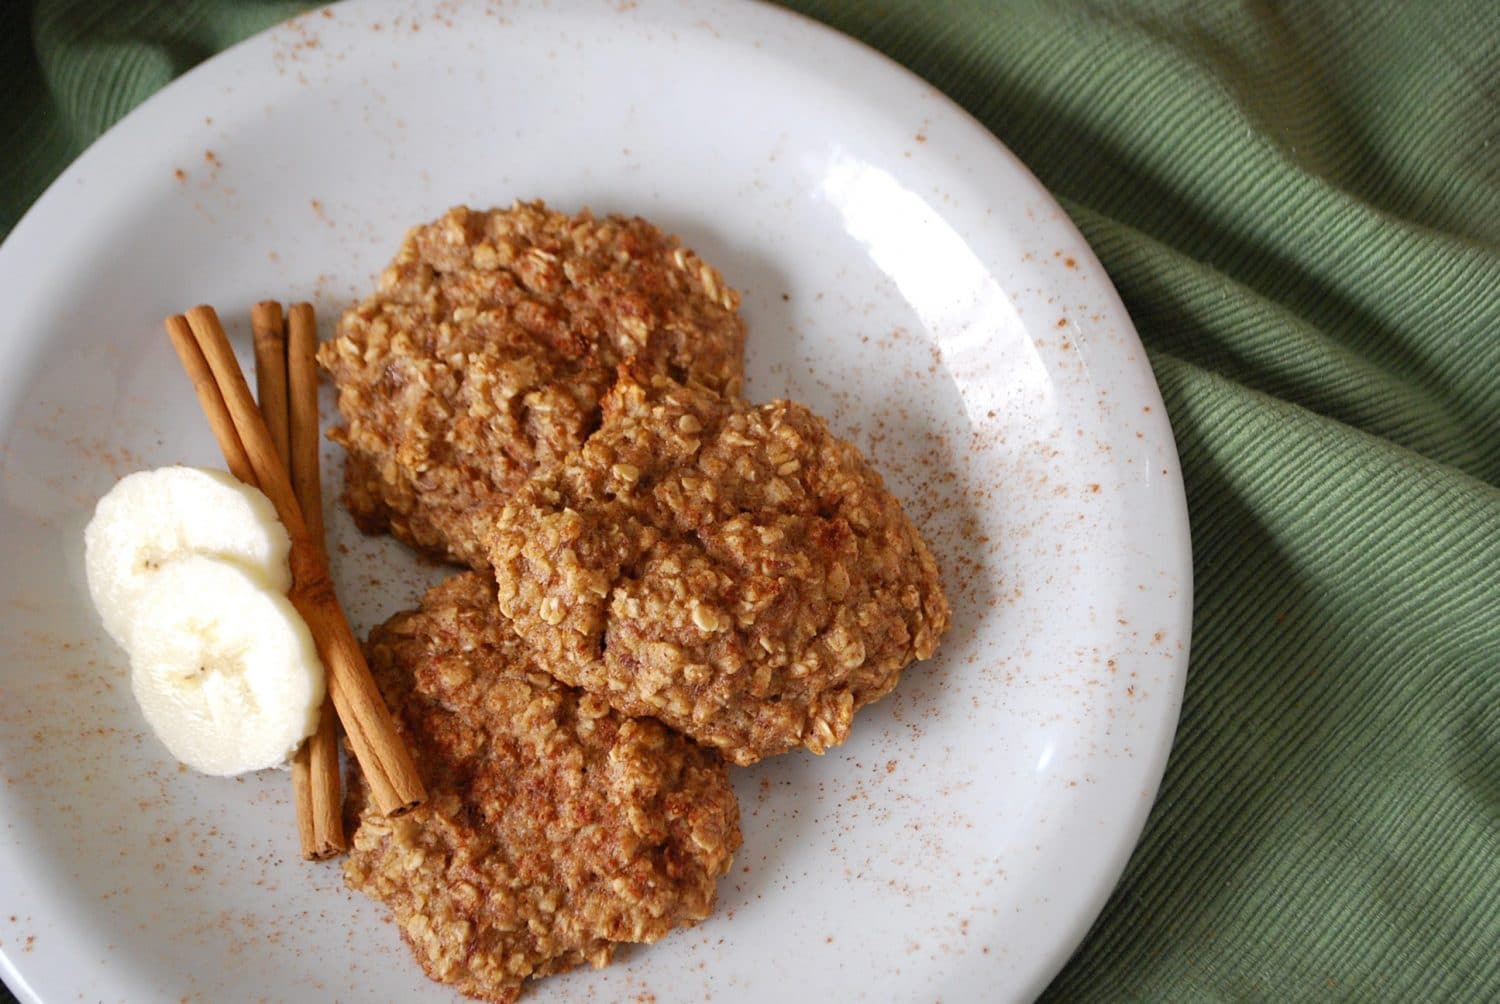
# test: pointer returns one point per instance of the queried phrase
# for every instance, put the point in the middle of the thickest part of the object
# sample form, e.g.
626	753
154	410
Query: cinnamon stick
383	757
302	370
315	781
270	373
290	409
209	399
315	768
267	325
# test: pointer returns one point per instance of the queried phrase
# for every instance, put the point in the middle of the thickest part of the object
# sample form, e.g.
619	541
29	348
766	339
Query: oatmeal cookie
554	828
734	570
488	345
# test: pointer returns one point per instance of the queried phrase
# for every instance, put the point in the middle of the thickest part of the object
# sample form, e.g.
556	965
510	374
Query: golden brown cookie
555	828
735	570
487	347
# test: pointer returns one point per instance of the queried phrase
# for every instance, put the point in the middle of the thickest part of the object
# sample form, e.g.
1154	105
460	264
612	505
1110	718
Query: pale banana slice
225	670
152	518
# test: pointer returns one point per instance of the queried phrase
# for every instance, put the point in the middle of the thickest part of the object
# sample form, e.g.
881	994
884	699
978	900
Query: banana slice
224	670
153	518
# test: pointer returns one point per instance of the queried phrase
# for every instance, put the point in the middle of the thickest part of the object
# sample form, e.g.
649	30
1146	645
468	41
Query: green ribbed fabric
1300	204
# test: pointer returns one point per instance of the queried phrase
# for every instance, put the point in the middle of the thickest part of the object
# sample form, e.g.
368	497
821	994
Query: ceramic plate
903	274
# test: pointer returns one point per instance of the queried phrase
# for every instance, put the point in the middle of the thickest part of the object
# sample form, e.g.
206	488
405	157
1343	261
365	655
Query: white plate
904	275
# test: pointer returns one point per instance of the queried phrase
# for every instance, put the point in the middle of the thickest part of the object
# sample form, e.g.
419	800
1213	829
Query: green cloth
1300	204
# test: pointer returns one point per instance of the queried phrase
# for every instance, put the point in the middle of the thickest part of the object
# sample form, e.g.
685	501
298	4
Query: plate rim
51	206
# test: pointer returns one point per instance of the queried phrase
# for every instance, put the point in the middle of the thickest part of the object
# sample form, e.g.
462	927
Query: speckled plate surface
904	275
